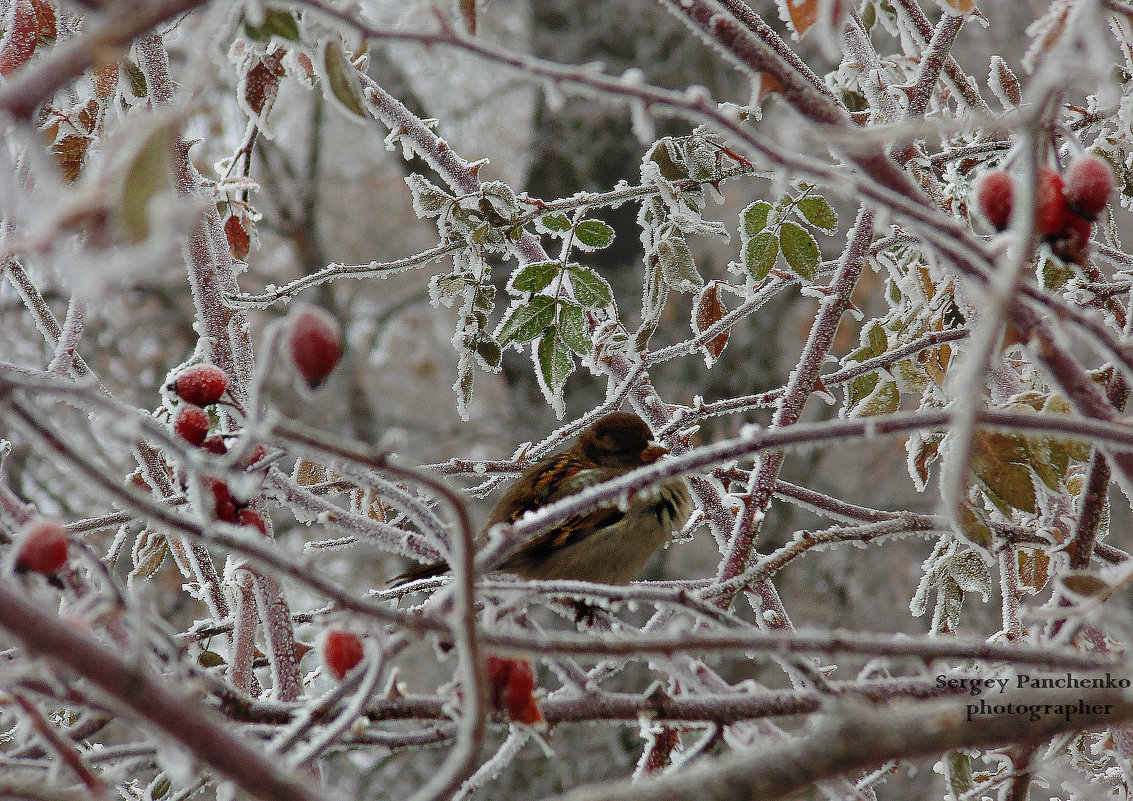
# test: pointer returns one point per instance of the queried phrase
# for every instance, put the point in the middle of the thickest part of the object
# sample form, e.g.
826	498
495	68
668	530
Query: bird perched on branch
608	545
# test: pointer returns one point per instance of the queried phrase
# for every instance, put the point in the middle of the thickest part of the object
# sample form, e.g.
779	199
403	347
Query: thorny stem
761	486
462	760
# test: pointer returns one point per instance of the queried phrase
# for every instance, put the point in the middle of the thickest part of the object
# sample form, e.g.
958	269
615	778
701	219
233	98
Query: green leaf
800	250
490	353
555	362
590	289
277	22
670	170
429	200
555	222
593	235
677	266
535	276
573	329
149	172
136	76
342	79
465	382
760	253
816	211
754	217
528	320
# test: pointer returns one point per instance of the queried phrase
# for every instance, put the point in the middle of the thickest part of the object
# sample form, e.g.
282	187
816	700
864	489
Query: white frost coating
642	123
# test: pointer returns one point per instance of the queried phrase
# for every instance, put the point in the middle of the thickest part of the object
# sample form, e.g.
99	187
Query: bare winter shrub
884	323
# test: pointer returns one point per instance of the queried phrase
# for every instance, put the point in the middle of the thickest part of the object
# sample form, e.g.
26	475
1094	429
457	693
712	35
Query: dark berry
215	444
1073	241
341	651
1051	210
995	196
42	547
315	343
191	423
511	683
247	517
1089	181
224	505
201	384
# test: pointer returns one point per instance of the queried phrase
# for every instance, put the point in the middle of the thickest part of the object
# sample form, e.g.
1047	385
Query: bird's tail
430	570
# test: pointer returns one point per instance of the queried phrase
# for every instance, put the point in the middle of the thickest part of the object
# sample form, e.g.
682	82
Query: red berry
1089	180
191	423
215	444
1051	210
341	652
1074	239
258	452
995	195
315	342
249	518
511	683
224	505
42	547
201	384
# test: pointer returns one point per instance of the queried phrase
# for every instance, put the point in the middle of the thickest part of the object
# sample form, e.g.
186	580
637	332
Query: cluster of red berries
314	341
198	386
512	682
1065	208
42	546
341	651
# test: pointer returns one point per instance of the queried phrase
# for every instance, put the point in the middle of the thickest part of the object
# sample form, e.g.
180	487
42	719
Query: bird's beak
653	452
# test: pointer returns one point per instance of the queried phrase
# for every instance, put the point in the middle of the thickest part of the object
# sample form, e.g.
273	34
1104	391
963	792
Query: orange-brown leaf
709	311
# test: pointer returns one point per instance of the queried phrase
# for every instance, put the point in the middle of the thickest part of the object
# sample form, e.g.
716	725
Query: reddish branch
175	715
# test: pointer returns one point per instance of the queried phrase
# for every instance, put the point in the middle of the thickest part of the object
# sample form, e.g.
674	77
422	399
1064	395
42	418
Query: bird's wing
575	528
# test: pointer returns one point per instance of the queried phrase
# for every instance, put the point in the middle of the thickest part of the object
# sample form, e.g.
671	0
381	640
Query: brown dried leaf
70	150
709	311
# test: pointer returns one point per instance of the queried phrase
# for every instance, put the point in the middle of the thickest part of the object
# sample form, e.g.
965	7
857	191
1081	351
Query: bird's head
620	439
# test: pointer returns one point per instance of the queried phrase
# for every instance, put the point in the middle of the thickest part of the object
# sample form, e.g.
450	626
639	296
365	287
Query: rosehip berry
1089	180
315	342
215	444
191	423
511	683
42	547
1051	210
201	384
995	196
341	651
249	518
1074	239
224	505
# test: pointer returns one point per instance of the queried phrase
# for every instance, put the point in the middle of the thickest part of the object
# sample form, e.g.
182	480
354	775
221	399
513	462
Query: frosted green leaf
342	79
800	250
149	172
760	253
528	320
573	329
555	222
429	200
555	362
489	352
754	217
276	23
677	265
816	211
590	289
593	234
535	276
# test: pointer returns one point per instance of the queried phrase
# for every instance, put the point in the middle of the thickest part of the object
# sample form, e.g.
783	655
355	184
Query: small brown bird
608	545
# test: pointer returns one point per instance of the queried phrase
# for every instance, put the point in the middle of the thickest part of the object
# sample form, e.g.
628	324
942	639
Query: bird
608	545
